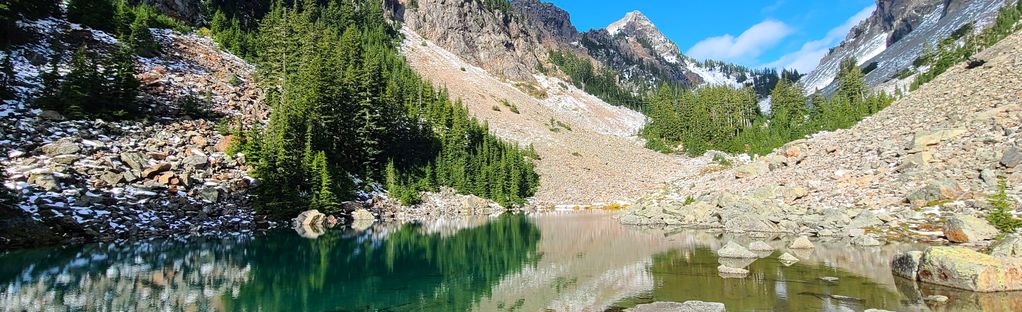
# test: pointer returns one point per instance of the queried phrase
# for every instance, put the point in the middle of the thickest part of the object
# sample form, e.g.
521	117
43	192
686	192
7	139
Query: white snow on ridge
615	27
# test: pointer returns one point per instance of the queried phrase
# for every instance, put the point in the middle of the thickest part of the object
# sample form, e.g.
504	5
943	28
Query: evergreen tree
93	13
7	196
7	77
141	38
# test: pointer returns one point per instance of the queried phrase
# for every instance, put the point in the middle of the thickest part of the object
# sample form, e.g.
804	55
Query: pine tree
7	77
124	15
93	13
123	86
141	38
81	87
7	196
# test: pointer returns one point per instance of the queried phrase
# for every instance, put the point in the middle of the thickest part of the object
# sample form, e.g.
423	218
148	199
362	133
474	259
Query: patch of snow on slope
586	109
713	77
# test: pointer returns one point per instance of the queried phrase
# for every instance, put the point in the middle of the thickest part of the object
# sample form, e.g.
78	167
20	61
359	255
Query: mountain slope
895	35
935	152
586	157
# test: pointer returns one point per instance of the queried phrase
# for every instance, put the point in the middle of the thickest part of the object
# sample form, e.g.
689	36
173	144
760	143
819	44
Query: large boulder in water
310	217
964	268
734	250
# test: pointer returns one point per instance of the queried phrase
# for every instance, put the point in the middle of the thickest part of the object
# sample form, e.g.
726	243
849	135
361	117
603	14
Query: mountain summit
637	25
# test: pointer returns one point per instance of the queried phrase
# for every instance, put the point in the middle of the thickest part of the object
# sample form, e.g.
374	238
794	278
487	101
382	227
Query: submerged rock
734	250
787	259
866	241
964	268
362	214
801	242
760	246
968	229
687	306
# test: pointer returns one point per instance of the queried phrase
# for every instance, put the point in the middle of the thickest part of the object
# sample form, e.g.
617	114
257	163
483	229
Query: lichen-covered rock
1009	246
968	229
964	268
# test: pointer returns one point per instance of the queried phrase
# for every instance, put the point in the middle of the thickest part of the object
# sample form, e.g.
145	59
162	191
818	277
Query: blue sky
764	33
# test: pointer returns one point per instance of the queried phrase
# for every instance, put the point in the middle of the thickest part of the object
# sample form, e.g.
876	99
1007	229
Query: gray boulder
65	146
135	161
801	242
734	250
1011	158
1009	246
309	217
968	229
866	241
760	246
935	191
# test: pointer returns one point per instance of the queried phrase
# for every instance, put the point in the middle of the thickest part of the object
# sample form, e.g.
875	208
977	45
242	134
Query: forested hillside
728	119
347	109
346	105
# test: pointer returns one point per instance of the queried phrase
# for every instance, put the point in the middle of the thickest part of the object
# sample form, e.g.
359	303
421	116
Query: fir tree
93	13
141	38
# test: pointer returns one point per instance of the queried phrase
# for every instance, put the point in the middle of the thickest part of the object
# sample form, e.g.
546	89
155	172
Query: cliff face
496	40
895	34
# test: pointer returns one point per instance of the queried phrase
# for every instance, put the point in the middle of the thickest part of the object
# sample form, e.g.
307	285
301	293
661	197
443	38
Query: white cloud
746	47
809	56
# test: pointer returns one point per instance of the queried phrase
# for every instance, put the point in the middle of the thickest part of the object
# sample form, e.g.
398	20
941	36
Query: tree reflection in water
399	269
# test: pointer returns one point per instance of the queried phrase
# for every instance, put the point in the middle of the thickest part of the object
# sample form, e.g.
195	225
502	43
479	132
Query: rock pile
165	174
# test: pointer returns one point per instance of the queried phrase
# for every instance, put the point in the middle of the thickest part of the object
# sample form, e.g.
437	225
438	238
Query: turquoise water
550	262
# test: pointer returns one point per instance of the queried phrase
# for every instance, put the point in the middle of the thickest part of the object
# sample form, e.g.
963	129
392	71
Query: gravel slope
599	160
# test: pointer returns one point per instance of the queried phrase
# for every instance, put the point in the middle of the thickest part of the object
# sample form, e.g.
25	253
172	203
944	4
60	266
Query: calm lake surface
546	262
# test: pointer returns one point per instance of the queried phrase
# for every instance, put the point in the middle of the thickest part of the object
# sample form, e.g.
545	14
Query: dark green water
555	262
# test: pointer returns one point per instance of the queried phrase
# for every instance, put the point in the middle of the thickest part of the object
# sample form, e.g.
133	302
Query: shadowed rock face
555	24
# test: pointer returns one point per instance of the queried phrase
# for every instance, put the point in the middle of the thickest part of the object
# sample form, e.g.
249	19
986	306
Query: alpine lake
559	261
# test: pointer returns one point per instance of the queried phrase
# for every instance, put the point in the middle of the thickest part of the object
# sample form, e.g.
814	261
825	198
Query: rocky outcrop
498	41
894	35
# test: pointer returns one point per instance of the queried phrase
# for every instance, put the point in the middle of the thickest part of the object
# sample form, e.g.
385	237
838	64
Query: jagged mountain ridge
512	45
895	35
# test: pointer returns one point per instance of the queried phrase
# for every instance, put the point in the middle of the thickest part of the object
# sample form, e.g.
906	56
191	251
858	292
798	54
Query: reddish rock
154	170
224	143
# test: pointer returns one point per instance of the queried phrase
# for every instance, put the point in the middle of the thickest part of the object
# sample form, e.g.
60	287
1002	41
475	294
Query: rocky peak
553	22
638	26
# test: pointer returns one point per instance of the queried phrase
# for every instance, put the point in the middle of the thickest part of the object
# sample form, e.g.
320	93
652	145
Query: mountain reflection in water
558	262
